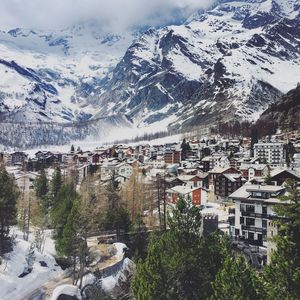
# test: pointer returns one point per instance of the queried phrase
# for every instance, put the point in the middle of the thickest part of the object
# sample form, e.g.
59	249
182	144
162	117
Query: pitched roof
233	177
276	172
182	189
244	191
186	177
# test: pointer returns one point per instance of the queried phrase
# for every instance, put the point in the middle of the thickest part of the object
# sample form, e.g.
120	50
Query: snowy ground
14	288
108	283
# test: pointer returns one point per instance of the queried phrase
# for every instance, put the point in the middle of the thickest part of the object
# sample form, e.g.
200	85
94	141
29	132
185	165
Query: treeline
235	129
148	137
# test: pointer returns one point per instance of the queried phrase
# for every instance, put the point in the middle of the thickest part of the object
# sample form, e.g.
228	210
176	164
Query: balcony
255	215
255	229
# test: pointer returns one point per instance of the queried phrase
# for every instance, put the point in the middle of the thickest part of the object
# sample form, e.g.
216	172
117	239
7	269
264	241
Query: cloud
116	14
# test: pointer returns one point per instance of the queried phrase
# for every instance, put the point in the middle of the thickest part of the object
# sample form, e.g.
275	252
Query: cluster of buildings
220	175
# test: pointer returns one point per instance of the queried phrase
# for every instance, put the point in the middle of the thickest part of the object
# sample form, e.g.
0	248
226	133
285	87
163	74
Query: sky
117	15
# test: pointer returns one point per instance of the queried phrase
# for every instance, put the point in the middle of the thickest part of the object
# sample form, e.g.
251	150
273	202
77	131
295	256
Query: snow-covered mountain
46	76
229	62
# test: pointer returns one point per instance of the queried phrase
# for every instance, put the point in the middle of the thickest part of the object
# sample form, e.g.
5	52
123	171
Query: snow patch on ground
13	287
66	289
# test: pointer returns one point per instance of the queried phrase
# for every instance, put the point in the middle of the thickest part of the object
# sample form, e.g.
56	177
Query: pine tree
41	185
117	217
41	188
254	140
39	240
237	280
180	264
282	276
56	184
8	200
185	147
62	207
73	241
139	238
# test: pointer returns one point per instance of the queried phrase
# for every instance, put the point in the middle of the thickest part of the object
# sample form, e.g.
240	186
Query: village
236	182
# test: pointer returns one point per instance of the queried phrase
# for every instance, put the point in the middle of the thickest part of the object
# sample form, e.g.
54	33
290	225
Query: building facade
270	153
254	208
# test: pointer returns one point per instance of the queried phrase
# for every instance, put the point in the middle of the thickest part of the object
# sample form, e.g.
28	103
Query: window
264	223
242	207
264	210
251	236
250	208
242	220
259	237
250	221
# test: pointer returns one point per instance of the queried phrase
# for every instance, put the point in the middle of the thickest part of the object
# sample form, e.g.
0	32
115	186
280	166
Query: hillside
228	63
284	114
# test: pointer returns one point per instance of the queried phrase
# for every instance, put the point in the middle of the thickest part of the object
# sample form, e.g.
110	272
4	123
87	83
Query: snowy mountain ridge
229	62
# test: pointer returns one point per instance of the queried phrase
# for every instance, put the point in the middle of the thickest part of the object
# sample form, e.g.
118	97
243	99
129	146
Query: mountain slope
285	113
230	62
47	75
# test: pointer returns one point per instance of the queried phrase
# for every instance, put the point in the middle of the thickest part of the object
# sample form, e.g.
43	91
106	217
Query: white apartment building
270	153
254	211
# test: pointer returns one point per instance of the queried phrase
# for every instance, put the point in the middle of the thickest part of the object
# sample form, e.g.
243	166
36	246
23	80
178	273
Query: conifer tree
41	185
237	280
8	200
282	276
41	188
117	217
185	147
62	207
180	264
56	184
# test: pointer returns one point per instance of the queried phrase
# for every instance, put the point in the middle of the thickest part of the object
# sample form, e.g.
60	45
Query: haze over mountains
230	62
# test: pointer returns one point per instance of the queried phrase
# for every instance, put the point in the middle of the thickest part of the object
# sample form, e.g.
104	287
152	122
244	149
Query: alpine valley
230	62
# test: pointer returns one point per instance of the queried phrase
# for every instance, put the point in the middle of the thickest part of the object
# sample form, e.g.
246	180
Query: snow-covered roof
244	191
182	189
254	166
218	170
233	177
276	172
186	177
